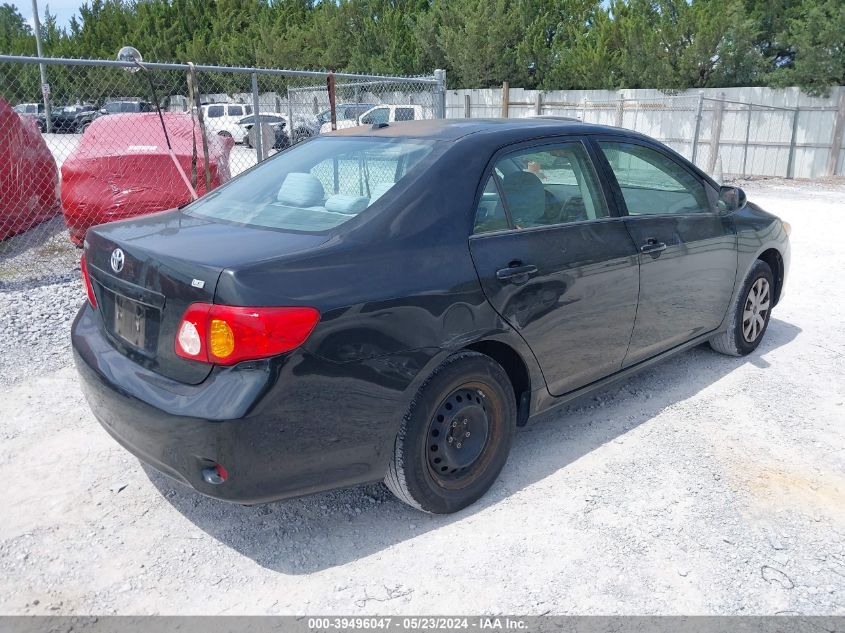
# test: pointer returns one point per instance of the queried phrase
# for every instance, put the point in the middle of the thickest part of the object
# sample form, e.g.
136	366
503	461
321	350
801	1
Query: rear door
555	260
687	250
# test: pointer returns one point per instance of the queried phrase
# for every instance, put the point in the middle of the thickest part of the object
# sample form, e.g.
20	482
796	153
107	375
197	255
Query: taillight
225	335
92	299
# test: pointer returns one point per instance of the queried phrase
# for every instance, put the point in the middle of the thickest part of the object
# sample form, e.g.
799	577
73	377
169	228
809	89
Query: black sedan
391	303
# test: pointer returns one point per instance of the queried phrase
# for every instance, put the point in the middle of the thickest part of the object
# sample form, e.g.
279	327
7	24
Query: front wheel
749	317
455	437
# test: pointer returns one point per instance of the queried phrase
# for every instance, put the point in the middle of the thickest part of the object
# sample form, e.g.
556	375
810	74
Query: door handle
652	246
513	272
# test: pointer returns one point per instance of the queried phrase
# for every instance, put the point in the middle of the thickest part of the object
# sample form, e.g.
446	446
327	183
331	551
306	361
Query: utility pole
45	87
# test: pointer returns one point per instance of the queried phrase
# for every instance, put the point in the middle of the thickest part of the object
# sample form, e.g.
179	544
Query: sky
63	9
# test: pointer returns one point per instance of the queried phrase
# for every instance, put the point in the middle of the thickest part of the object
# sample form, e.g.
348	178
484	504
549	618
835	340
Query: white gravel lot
707	485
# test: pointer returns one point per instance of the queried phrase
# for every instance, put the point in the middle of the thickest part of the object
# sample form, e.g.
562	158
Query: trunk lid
147	271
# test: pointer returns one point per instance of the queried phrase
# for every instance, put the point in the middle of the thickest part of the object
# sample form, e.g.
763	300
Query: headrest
525	196
349	205
301	190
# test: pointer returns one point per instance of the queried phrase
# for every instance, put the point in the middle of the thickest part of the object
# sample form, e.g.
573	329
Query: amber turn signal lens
788	228
221	339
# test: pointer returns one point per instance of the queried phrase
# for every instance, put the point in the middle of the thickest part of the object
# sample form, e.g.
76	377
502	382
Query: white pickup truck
379	114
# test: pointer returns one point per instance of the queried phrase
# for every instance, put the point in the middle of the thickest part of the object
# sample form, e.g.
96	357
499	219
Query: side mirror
731	199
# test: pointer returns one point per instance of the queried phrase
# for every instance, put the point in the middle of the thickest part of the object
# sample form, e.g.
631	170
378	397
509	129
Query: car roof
454	129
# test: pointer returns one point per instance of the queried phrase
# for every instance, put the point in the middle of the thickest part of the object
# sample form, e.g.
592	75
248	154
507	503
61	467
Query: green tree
816	47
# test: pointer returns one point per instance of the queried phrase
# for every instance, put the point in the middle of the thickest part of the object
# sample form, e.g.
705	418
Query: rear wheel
455	437
749	317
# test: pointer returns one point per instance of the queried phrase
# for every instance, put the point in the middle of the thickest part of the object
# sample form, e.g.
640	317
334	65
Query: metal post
45	87
747	138
716	133
584	115
439	94
290	119
836	142
332	96
538	104
506	97
256	113
467	107
620	112
697	129
790	165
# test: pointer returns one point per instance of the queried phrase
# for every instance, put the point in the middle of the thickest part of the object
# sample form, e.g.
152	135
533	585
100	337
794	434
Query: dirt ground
705	485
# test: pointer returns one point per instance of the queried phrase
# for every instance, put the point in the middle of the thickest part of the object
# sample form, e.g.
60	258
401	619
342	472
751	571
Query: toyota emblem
117	260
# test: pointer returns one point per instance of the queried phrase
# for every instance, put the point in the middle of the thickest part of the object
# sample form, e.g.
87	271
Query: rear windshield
317	185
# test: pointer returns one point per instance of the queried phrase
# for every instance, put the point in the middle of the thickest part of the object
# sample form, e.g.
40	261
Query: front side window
215	112
236	110
652	183
555	184
379	115
318	185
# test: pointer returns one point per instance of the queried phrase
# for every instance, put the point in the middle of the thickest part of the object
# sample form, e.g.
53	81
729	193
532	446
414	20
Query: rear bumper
281	428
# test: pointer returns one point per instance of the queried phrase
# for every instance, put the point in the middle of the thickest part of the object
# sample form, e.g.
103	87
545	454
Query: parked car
122	168
73	119
127	105
272	120
343	112
378	114
29	178
34	111
391	303
223	119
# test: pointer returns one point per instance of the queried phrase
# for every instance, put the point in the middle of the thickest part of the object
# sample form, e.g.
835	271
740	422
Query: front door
687	250
555	263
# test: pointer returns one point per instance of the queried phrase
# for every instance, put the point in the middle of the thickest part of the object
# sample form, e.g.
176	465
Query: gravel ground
706	485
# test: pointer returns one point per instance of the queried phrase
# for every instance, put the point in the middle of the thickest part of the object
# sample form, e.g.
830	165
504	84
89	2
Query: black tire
435	468
740	339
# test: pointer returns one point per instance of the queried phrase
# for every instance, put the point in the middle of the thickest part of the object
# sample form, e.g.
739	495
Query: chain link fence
107	140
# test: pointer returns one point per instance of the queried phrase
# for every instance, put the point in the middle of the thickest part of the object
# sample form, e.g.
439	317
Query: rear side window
490	215
404	114
215	112
318	185
555	184
652	183
236	110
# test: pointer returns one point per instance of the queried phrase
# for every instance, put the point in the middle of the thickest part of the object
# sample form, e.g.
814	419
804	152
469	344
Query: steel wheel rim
756	310
458	436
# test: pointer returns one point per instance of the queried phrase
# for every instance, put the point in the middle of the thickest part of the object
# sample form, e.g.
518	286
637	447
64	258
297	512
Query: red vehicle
29	179
122	169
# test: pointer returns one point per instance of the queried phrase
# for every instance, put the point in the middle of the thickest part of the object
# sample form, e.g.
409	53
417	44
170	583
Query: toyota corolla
392	302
